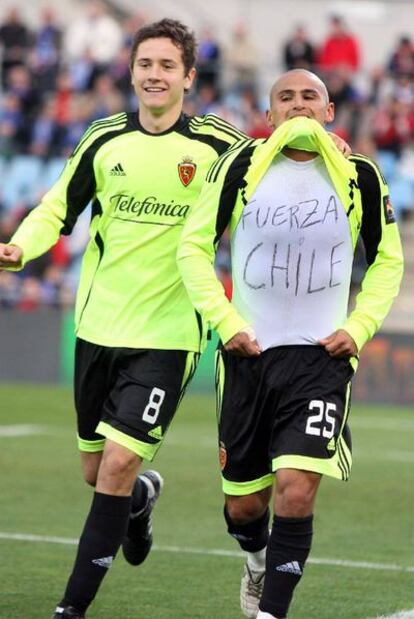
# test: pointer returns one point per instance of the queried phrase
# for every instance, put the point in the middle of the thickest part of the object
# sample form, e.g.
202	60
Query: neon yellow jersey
142	187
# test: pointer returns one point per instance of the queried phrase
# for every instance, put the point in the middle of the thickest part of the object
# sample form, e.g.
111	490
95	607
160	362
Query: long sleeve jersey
142	188
230	185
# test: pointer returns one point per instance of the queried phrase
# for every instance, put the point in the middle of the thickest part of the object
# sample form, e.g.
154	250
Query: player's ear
189	79
269	118
330	112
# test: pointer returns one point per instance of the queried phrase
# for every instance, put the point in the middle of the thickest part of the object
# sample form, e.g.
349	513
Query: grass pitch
362	561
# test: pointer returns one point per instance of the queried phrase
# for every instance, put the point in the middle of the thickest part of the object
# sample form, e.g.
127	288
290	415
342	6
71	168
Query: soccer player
295	208
138	336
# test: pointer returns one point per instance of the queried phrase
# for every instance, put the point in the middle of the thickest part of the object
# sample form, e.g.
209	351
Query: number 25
322	422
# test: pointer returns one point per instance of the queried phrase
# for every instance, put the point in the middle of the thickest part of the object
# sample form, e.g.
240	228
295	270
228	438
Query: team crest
186	171
222	455
388	210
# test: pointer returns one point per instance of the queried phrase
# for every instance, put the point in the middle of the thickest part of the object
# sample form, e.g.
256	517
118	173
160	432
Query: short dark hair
171	29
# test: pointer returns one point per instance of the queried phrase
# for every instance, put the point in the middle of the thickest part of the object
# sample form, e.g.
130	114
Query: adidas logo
117	170
104	562
293	568
156	433
331	445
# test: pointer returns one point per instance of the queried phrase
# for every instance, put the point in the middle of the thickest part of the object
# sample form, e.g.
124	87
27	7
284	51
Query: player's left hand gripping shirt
142	187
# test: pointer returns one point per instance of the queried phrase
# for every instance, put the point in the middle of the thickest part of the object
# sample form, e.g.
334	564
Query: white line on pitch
403	614
21	429
388	567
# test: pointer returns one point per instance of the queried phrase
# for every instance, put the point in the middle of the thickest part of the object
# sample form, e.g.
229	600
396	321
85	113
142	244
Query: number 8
152	409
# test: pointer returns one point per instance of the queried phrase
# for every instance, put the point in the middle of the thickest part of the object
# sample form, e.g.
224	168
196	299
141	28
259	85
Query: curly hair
171	29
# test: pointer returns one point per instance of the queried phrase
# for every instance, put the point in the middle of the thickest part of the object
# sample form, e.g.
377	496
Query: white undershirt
292	255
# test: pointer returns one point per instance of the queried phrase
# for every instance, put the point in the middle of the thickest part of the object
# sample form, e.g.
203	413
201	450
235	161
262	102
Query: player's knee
242	510
118	470
295	501
118	464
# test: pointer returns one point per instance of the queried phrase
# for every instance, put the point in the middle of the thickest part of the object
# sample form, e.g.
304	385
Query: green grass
369	519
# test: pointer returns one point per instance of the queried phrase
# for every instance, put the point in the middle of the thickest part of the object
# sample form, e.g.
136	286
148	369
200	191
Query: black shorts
287	408
128	395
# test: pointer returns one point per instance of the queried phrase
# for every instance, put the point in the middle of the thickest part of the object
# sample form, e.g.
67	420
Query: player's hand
10	255
244	344
339	344
340	144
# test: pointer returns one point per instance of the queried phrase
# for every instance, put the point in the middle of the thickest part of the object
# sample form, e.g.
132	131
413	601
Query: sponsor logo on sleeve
389	213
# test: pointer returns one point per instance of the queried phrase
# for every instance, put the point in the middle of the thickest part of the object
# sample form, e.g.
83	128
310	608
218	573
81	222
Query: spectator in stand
45	131
348	103
298	52
340	48
64	95
14	41
401	62
80	114
120	72
96	31
82	71
106	97
11	123
257	126
242	60
208	60
393	126
46	51
20	84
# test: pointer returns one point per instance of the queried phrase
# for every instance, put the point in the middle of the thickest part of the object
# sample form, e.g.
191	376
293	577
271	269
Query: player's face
159	76
299	94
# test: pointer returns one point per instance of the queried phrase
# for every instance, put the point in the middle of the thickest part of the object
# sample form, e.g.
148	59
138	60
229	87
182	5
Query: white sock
257	560
263	615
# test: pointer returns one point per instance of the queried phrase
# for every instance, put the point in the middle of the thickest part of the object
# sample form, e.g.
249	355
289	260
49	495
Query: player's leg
290	538
102	371
104	529
138	414
313	440
246	474
90	463
247	519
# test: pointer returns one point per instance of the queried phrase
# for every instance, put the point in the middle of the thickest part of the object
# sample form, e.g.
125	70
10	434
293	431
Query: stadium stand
56	89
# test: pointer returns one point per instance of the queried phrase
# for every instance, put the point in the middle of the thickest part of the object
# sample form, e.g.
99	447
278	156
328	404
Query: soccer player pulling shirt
295	208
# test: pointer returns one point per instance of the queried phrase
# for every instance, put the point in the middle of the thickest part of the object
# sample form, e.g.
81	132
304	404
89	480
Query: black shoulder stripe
369	186
369	163
234	180
217	123
82	186
215	169
98	125
110	120
217	144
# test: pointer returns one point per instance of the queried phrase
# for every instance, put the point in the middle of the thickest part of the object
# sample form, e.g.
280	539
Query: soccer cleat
138	539
67	612
251	588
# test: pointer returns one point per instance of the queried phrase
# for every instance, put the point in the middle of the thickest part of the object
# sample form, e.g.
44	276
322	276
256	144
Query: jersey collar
179	124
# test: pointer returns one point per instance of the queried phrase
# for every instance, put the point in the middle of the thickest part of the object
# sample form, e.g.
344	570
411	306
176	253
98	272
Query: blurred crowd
58	78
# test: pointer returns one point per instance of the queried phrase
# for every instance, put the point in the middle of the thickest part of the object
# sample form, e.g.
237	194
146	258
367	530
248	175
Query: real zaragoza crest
186	171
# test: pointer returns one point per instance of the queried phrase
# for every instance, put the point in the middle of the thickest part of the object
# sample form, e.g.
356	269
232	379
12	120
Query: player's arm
196	253
55	215
381	238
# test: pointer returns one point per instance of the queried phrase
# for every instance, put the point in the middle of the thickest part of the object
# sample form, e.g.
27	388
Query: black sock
288	548
139	495
101	538
252	536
